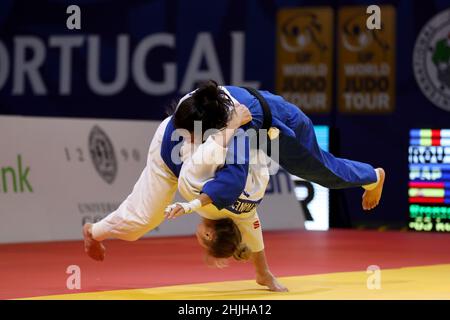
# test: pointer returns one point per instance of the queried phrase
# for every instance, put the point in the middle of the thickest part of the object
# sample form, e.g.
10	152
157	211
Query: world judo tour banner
57	174
305	56
366	62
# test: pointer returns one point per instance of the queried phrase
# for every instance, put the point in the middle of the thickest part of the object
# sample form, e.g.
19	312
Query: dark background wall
381	140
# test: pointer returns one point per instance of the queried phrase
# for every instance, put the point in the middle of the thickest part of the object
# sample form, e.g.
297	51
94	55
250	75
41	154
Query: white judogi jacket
200	163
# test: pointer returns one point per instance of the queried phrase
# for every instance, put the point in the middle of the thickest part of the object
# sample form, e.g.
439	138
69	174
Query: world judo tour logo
357	37
301	32
431	60
103	155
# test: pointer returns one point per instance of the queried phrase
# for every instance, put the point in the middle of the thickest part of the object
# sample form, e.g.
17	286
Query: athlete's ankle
373	185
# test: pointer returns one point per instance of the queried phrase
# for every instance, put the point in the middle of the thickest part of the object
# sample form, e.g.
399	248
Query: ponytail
242	252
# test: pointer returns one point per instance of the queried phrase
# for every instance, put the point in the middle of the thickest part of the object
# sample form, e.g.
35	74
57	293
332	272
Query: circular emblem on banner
431	60
103	155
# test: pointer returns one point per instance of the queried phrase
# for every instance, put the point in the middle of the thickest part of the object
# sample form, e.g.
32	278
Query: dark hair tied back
208	104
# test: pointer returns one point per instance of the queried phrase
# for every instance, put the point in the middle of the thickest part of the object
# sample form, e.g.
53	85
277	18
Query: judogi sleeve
229	182
200	166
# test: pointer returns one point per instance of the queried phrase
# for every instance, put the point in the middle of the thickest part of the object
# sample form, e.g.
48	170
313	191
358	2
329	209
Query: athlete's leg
302	156
142	210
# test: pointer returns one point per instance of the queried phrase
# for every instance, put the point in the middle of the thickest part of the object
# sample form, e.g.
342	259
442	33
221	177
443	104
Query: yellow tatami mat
427	282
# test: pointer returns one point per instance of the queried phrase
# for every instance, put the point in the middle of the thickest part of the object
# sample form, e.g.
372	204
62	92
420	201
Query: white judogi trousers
143	210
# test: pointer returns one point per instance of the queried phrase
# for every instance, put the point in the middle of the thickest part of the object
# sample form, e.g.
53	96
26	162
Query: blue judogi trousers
301	155
299	151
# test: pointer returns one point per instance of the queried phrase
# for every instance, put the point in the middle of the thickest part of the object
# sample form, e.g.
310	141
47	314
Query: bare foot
371	198
94	248
271	282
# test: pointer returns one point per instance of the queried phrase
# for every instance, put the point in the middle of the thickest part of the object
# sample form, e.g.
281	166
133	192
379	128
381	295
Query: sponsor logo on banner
366	62
102	154
431	60
304	57
14	179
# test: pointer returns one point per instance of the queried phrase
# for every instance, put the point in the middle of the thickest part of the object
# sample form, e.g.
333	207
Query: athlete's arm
240	116
232	177
227	184
180	208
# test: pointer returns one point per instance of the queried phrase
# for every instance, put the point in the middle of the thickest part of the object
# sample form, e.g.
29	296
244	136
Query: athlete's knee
145	225
135	232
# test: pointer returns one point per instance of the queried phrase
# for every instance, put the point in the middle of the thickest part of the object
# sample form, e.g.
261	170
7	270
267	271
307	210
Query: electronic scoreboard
429	180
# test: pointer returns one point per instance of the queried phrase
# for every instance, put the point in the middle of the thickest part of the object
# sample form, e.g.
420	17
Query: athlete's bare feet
271	282
94	248
371	198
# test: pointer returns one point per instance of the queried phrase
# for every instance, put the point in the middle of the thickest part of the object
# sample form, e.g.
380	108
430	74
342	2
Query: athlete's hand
240	116
173	211
179	208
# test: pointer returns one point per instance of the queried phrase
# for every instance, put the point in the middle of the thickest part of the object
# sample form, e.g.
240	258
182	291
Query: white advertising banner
57	174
